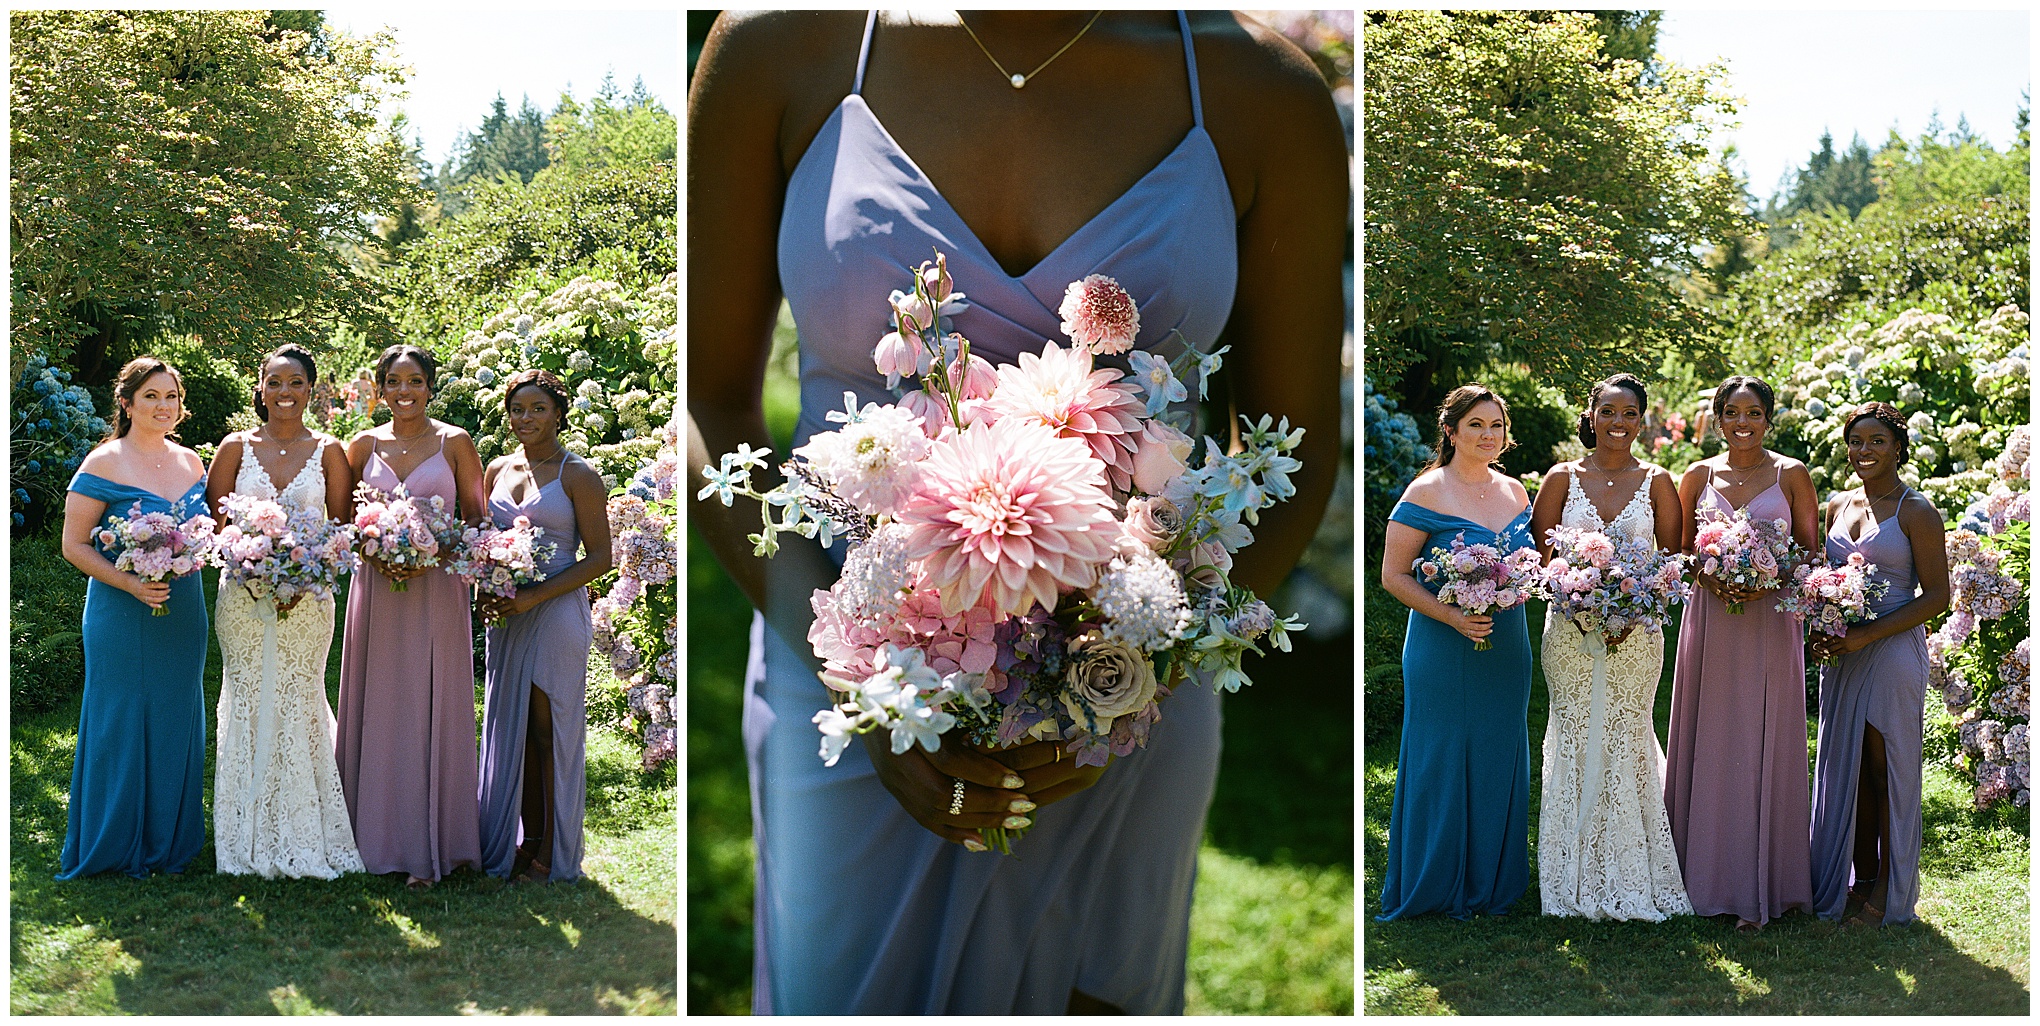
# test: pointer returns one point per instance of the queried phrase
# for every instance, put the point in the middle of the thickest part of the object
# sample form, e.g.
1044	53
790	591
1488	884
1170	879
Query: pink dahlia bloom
1006	515
1099	316
1059	390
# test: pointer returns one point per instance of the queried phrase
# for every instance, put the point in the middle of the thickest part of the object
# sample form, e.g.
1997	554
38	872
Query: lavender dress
1735	765
545	648
407	708
859	909
1882	685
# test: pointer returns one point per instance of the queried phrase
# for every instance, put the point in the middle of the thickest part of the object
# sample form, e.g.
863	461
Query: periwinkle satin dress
1459	833
1735	758
544	648
137	776
860	909
1881	685
406	742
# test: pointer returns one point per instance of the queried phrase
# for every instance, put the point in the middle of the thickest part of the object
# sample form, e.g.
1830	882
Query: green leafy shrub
47	661
214	392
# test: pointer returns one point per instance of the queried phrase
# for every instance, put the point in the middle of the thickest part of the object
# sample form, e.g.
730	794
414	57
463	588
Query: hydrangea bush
1979	658
637	618
617	353
1962	385
1395	450
54	425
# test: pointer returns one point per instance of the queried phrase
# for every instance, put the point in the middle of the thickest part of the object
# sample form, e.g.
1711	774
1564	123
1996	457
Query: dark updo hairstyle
129	381
290	351
1754	384
1887	415
1454	409
1624	380
397	352
544	381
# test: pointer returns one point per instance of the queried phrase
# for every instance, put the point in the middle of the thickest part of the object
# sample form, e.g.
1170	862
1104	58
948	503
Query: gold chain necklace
1018	80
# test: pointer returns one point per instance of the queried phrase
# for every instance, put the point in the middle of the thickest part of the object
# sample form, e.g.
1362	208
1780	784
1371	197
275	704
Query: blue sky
462	58
1850	72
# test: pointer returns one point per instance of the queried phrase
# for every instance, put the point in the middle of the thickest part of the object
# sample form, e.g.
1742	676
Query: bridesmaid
407	678
136	779
1458	839
534	719
1866	784
1735	777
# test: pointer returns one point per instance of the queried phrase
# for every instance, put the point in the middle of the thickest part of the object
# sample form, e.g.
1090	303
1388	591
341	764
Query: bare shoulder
1698	472
1240	53
1425	487
1514	486
1916	508
761	57
501	463
1790	469
1265	104
104	457
576	472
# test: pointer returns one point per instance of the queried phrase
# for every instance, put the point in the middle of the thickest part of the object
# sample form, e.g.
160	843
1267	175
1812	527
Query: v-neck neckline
404	479
317	448
971	235
1608	522
1745	507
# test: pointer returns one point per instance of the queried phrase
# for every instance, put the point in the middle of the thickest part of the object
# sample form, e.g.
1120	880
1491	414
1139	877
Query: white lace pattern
277	805
1604	843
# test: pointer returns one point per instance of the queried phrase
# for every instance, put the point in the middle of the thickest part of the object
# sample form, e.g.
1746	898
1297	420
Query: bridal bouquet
1031	553
499	560
158	546
399	530
1747	553
1829	598
1609	588
1482	579
283	554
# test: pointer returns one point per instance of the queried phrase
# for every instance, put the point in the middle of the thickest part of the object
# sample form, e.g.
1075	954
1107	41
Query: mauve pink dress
407	709
1736	784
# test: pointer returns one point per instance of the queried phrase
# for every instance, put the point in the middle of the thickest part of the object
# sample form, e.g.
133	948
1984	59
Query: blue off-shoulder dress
1459	836
137	777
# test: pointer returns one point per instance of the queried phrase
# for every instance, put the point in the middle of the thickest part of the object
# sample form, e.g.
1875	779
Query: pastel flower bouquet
158	547
1828	598
397	529
1609	588
1751	554
1031	554
1481	579
283	554
499	560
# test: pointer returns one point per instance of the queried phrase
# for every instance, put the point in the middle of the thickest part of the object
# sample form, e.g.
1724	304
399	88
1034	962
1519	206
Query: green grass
1271	930
203	943
1968	953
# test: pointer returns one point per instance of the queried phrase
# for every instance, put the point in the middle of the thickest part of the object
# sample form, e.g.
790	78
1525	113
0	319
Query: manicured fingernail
974	844
1020	805
1012	782
1017	823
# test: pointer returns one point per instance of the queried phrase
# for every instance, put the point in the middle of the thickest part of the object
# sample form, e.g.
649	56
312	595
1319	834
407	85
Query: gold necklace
406	450
1611	473
1018	80
282	446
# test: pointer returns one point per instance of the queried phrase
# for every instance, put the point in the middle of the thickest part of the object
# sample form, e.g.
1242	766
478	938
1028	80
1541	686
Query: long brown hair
1462	399
129	381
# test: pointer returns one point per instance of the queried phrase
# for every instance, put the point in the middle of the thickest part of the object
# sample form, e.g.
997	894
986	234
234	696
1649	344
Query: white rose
1110	678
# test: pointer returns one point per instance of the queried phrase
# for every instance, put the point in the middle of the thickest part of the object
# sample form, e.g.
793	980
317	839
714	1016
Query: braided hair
1886	414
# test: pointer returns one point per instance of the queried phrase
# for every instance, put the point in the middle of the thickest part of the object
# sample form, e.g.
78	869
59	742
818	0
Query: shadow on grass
1525	963
204	943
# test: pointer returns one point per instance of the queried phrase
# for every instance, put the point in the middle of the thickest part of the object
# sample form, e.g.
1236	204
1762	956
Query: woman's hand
1727	592
151	593
1827	646
496	607
1052	774
1620	638
285	607
924	784
393	571
1475	627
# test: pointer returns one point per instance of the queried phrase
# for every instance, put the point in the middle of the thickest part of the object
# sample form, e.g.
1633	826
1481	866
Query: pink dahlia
1059	390
1099	316
1006	515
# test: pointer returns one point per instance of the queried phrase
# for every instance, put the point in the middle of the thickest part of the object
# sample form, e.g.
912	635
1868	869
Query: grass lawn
1271	930
203	943
1967	954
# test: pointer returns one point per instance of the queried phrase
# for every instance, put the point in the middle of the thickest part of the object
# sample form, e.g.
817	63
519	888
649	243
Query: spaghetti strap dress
859	909
545	647
137	777
1735	760
1459	832
407	708
1881	685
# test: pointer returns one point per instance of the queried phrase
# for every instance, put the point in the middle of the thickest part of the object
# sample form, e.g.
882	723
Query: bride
277	805
1604	843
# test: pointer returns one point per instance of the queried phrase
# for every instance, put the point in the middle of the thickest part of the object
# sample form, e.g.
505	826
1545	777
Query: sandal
1747	928
419	884
1870	916
537	872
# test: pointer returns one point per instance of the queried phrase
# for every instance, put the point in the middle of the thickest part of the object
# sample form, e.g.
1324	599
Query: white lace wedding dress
277	805
1604	843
